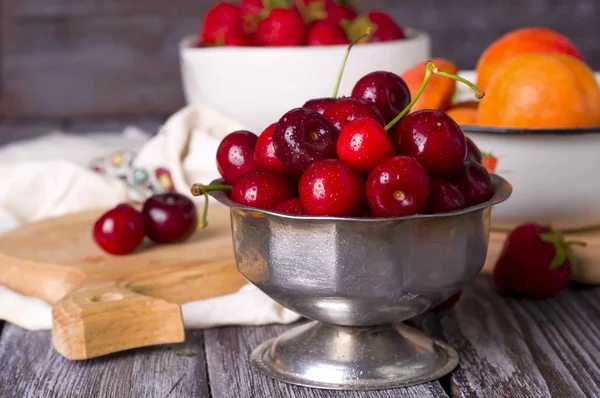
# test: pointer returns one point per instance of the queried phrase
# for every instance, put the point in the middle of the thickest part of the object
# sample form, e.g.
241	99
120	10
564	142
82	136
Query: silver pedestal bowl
358	279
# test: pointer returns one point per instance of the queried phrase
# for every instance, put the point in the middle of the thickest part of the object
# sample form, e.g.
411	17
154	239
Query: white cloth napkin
77	173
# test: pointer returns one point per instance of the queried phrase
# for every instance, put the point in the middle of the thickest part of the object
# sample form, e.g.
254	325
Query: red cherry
535	262
319	104
220	20
120	230
444	197
238	38
473	152
345	110
435	140
235	154
364	144
386	90
448	303
302	137
262	189
291	206
281	28
397	187
250	13
475	183
332	187
169	217
326	33
265	156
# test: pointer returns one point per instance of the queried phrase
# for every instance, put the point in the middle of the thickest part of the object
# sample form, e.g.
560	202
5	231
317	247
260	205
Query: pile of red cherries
358	156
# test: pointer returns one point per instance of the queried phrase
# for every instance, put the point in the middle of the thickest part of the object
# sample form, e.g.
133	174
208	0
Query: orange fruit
464	112
520	41
541	91
439	91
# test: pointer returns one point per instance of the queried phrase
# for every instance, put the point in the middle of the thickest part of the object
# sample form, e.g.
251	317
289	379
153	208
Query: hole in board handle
103	298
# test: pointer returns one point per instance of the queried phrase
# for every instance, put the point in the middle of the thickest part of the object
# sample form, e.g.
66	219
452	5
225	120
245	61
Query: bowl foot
345	358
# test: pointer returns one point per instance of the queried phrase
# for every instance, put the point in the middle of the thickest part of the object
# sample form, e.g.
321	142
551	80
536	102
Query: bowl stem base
345	358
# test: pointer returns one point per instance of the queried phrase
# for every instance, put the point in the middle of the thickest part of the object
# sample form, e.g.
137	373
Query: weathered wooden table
508	348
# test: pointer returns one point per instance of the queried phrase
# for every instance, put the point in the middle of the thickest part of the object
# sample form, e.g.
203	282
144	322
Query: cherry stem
201	189
431	69
341	73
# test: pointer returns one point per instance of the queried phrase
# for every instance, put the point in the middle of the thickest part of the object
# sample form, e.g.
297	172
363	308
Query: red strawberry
282	27
489	162
325	33
219	21
381	25
249	12
336	13
238	38
535	262
448	303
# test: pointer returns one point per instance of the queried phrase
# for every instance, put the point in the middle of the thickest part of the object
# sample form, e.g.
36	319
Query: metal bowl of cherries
359	215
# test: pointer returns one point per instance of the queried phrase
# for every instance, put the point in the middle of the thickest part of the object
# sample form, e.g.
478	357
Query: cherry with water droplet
319	104
291	206
235	154
364	144
332	187
120	230
303	136
265	156
345	110
435	140
397	187
262	189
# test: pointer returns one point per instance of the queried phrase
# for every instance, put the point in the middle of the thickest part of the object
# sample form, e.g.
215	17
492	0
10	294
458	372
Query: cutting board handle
102	319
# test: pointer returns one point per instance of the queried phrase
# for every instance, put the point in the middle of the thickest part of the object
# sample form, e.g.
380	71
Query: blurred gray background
63	60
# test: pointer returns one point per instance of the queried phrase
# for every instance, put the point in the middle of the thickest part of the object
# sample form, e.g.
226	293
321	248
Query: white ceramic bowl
257	85
555	174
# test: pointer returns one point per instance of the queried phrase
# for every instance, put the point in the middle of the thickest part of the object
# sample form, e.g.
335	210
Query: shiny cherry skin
386	90
345	110
291	206
443	198
262	189
319	104
364	144
475	183
332	187
169	217
303	136
120	230
435	140
235	154
398	187
265	156
473	152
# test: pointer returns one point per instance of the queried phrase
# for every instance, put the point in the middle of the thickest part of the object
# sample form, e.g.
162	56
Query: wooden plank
29	367
521	348
231	375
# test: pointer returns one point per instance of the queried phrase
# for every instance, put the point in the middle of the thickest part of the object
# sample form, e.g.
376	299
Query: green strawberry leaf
550	237
559	258
358	27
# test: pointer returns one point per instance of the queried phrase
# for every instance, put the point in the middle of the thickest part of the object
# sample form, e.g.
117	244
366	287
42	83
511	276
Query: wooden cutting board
104	303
